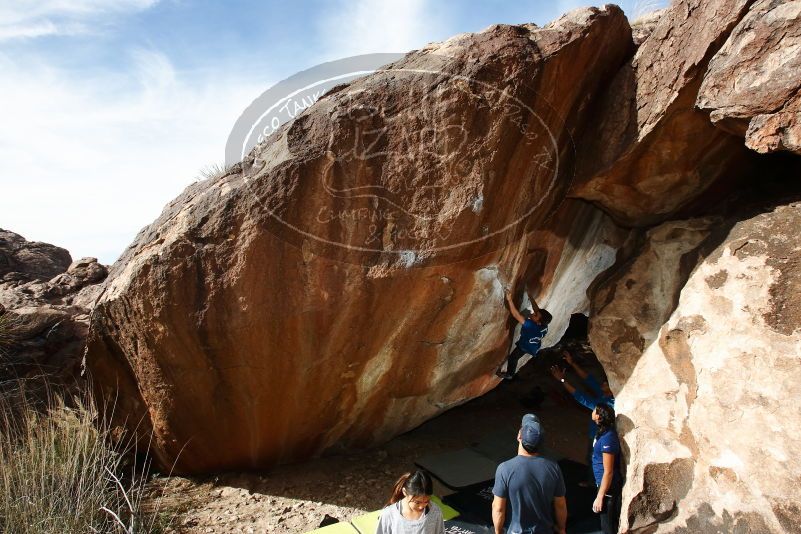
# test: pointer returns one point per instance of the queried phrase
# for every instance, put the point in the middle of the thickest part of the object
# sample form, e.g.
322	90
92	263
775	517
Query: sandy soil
296	498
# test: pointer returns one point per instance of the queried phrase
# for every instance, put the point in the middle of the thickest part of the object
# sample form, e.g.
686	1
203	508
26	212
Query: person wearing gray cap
530	486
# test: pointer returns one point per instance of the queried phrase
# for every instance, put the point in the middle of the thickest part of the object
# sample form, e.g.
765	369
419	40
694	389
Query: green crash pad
367	523
336	528
447	511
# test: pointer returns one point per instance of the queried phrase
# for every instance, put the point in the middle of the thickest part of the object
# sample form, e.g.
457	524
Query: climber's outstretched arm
512	308
534	305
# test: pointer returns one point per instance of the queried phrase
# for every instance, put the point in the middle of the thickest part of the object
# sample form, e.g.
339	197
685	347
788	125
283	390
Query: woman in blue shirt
606	468
601	394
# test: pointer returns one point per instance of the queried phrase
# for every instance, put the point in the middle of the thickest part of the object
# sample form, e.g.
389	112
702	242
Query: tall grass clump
213	171
59	470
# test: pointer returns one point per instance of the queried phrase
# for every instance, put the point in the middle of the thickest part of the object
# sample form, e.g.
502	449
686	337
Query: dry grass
213	172
59	471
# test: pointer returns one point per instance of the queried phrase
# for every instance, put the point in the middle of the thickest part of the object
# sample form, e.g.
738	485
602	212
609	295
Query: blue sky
111	107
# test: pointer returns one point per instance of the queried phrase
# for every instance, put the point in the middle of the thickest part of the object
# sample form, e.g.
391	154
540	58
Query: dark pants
610	516
514	357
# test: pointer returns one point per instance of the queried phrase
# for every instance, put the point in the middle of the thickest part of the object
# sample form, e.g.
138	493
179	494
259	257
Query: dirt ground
296	498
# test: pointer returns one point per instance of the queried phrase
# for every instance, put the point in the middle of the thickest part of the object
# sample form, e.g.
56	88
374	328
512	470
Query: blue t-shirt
607	442
529	483
531	335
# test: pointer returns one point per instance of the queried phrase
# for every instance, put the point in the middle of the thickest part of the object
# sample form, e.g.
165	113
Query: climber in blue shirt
533	329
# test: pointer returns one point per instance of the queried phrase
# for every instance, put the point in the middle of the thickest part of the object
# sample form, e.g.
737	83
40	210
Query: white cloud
367	26
36	18
86	162
33	29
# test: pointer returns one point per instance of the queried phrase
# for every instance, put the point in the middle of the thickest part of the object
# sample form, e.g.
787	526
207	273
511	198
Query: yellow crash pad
336	528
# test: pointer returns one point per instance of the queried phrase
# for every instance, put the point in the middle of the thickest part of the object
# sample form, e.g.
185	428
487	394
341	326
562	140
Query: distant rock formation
344	282
47	297
645	25
23	261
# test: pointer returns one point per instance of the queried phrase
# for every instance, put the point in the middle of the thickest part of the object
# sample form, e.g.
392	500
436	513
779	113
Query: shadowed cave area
489	424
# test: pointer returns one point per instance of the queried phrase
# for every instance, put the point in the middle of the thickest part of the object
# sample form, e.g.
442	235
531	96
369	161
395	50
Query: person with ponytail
606	468
409	509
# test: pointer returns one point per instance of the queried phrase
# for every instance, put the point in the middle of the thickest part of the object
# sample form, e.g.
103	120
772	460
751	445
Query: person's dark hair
546	316
606	418
417	483
531	450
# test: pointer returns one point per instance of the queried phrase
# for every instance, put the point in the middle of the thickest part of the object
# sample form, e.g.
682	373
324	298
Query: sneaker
504	374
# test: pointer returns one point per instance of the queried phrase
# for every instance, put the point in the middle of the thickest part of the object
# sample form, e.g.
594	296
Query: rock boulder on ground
22	260
700	332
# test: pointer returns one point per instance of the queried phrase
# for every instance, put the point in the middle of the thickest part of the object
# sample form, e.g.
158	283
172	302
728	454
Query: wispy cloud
365	26
32	18
85	162
643	7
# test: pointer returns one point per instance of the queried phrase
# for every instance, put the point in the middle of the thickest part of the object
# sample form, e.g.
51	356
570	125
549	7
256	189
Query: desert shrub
61	472
213	171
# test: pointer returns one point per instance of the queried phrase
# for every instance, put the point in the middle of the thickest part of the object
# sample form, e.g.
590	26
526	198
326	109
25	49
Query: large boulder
752	87
700	332
344	283
652	152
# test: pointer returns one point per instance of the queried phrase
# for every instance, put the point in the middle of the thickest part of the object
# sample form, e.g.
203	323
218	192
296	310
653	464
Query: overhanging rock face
753	83
652	152
344	283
